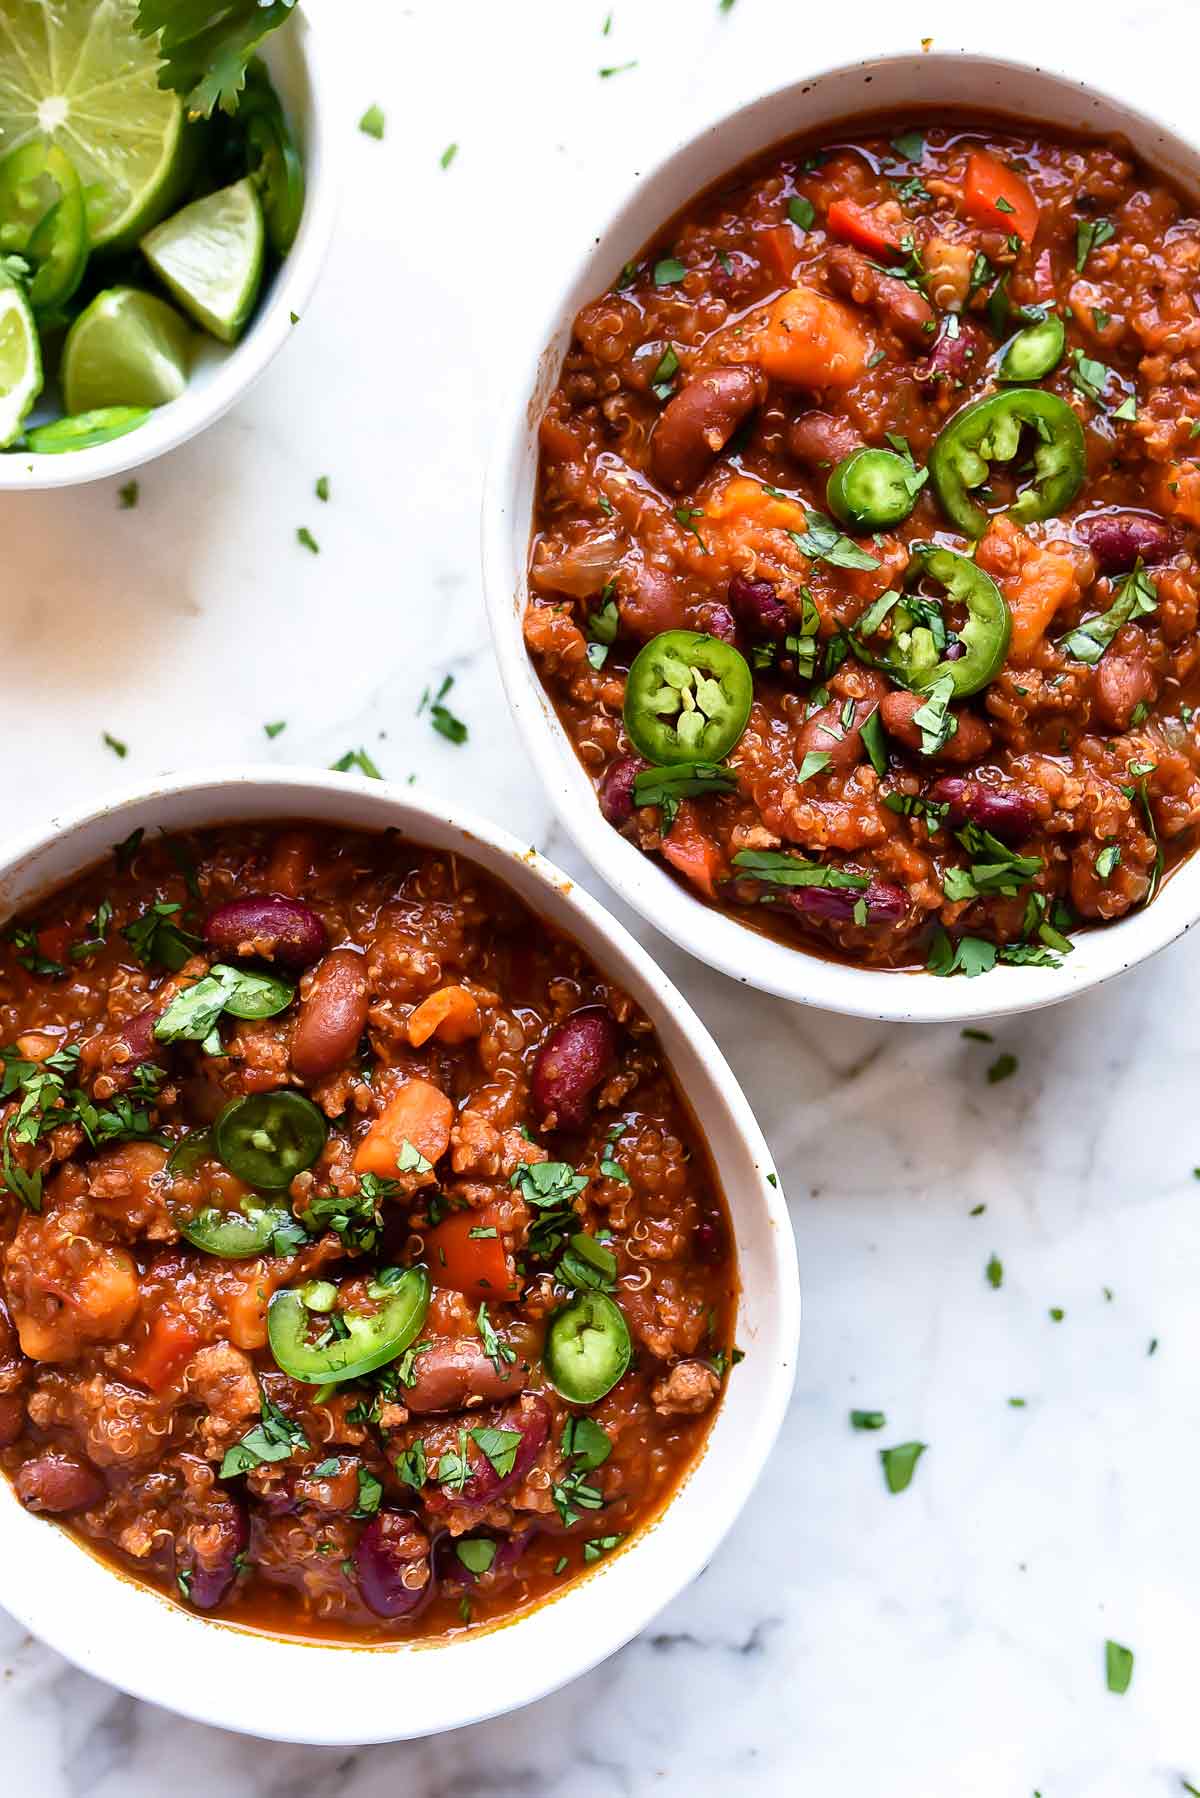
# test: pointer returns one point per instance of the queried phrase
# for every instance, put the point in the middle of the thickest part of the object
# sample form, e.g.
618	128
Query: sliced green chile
985	634
234	1234
871	490
269	1138
85	430
1034	351
372	1339
989	430
687	698
587	1348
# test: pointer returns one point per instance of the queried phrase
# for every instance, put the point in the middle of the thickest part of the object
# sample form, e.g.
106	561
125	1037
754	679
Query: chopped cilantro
373	122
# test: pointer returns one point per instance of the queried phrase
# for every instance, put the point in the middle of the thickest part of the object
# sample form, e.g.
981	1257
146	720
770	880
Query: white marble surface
947	1643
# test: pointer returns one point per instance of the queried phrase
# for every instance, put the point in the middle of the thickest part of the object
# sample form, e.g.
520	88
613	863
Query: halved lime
210	255
20	361
127	349
76	72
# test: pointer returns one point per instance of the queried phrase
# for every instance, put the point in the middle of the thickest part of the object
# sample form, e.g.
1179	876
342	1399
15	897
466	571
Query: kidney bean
570	1064
267	924
717	620
696	425
951	358
886	904
825	733
971	740
58	1482
210	1554
649	601
710	1239
1122	682
531	1418
332	1016
455	1369
509	1549
394	1565
895	304
616	789
819	439
758	607
1008	815
1119	539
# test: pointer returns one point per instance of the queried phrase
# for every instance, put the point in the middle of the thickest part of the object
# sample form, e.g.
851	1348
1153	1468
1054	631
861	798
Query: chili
990	430
687	698
353	1343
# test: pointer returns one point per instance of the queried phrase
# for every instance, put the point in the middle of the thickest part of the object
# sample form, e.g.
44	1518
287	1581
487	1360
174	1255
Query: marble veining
945	1643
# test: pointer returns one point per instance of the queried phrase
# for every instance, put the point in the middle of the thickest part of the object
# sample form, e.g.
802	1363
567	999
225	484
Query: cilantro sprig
207	45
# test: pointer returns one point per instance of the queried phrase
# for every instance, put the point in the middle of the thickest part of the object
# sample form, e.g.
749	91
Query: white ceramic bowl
299	68
886	83
128	1635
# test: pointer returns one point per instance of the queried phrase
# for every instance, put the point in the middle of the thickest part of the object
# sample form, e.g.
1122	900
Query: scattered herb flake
115	744
867	1420
801	212
899	1464
307	541
129	495
1002	1068
373	122
273	730
995	1273
1118	1667
323	487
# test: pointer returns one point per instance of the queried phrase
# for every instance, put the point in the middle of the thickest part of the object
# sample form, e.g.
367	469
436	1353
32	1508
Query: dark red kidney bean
893	302
616	789
12	1418
886	904
1122	683
758	607
1119	539
58	1482
509	1549
455	1369
394	1564
332	1016
570	1064
213	1567
825	734
697	424
952	357
649	600
1008	815
267	924
819	439
971	740
717	620
531	1418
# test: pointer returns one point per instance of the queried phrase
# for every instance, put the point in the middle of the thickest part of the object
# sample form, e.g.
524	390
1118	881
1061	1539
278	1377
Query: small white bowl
893	84
243	1680
220	376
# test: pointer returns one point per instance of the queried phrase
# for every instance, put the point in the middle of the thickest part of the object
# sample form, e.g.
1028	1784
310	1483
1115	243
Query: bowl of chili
272	1176
844	597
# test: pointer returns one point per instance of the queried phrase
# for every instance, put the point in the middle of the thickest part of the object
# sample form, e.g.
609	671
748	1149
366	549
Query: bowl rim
717	938
56	1619
169	426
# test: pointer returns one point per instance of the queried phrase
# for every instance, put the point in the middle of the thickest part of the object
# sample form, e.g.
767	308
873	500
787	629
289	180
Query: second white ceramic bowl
221	376
303	1691
912	80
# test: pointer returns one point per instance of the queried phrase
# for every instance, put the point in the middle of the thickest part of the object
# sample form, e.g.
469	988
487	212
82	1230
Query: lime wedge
76	72
210	255
128	349
20	361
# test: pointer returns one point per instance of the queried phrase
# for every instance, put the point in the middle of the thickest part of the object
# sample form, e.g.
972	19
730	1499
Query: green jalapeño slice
587	1348
687	698
990	430
1033	352
873	489
920	651
269	1138
329	1345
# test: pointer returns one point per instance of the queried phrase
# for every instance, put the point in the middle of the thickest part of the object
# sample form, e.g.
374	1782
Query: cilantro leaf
206	45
